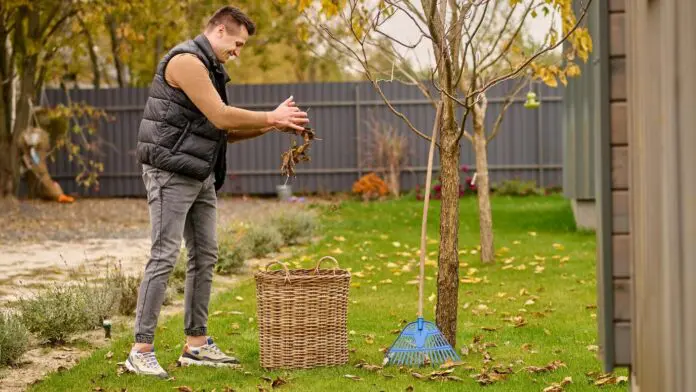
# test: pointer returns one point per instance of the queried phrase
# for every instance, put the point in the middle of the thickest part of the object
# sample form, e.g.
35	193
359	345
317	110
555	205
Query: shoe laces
214	348
150	360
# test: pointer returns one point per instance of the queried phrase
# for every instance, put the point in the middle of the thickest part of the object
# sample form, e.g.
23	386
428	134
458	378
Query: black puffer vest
174	135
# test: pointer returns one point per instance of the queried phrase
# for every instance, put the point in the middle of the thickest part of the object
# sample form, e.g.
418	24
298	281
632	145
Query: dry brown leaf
109	355
278	382
353	377
554	365
184	388
449	364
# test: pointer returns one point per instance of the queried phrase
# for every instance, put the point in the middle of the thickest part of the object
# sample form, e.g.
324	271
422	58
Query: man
182	143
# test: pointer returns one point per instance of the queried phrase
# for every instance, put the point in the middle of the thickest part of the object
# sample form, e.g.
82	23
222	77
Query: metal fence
528	147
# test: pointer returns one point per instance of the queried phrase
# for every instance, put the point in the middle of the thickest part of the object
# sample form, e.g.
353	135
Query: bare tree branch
508	101
378	88
526	63
469	44
509	44
413	18
502	33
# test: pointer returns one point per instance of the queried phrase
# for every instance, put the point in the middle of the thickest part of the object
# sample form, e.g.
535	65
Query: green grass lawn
544	278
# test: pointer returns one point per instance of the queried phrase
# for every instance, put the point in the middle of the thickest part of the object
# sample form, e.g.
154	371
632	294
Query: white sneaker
145	364
206	355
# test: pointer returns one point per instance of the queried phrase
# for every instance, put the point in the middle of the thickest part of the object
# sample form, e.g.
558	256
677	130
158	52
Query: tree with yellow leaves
476	45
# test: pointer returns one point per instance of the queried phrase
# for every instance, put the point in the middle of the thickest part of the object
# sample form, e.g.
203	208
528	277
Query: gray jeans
180	206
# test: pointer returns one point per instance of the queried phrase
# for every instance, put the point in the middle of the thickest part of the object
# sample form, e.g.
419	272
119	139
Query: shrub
233	251
14	339
370	187
56	312
465	186
517	188
128	287
261	238
295	226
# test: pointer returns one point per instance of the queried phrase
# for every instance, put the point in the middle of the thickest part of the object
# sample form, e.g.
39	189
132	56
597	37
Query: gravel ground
38	221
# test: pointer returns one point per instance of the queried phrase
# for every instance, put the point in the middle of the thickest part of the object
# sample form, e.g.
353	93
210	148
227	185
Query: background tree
476	45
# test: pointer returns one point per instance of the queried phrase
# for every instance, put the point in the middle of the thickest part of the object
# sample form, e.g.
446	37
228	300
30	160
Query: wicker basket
302	316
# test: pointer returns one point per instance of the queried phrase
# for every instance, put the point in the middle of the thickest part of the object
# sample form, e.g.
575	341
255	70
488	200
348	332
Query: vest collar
213	63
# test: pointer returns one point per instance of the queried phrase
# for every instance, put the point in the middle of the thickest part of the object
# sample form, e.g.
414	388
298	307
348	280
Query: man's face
227	43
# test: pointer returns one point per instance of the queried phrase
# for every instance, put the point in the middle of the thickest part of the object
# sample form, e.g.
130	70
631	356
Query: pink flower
464	168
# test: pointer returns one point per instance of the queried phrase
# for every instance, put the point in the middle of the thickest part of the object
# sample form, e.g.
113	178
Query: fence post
540	141
357	130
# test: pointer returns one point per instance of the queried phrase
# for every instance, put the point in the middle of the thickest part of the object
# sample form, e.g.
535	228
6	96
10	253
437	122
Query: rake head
420	343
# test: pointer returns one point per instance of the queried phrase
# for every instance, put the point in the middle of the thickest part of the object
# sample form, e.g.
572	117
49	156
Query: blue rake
421	342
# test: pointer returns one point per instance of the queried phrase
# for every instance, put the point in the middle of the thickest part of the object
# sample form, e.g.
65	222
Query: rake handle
424	225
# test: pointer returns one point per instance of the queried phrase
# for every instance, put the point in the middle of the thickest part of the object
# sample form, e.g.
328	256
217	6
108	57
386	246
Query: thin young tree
476	45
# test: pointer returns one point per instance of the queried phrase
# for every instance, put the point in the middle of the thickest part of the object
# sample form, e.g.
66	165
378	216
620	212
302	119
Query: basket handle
324	258
285	267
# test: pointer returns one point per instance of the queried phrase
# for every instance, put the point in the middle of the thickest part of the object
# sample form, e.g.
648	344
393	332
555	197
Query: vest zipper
176	147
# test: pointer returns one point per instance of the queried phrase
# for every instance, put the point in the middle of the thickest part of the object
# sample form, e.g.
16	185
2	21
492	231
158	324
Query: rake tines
421	343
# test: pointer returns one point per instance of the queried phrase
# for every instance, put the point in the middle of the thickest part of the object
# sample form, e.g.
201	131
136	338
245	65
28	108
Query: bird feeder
532	102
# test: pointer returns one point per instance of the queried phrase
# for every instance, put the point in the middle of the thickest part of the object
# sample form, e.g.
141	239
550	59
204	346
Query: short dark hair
230	15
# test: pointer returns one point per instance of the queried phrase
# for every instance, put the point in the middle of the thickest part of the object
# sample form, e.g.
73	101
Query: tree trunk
115	45
484	194
8	169
448	265
93	57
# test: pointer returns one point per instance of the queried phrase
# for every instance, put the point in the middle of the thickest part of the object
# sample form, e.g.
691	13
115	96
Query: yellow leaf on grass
529	302
337	251
507	266
532	233
392	265
340	238
539	269
558	246
383	236
521	267
396	244
238	298
363	258
385	281
516	242
540	258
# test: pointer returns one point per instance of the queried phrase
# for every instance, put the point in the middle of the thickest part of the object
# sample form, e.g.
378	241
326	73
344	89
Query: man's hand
287	116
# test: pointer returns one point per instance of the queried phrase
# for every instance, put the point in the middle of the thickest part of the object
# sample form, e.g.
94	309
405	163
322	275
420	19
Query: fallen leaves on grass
278	382
184	388
552	366
352	377
593	348
489	376
606	378
371	368
558	387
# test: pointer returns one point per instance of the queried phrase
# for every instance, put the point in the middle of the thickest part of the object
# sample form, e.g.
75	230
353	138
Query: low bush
14	339
233	252
517	188
296	226
128	287
56	312
261	239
